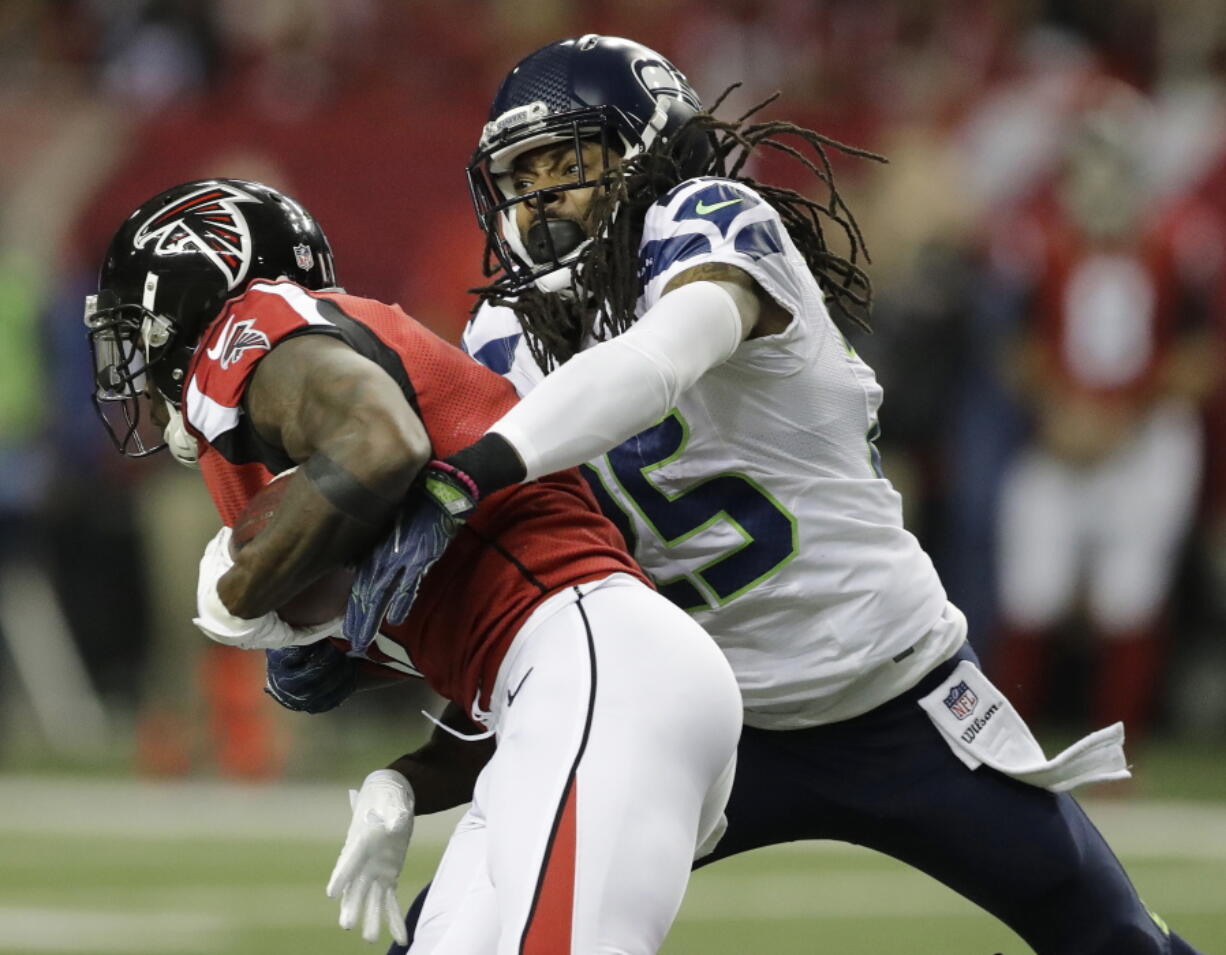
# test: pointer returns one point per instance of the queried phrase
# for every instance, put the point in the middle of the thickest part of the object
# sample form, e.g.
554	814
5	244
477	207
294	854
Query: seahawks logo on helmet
207	221
659	77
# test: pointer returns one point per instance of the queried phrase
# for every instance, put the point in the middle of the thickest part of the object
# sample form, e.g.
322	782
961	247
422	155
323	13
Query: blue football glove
310	679
388	579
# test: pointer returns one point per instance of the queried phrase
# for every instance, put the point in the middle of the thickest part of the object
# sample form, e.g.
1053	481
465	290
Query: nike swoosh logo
511	694
217	350
702	208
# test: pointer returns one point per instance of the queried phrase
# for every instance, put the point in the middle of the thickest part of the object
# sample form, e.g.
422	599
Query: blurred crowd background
1048	249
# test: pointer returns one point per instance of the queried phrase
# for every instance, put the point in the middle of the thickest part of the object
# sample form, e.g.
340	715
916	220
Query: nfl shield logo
961	700
303	257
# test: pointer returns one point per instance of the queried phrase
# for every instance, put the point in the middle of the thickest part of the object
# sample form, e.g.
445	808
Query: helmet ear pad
168	373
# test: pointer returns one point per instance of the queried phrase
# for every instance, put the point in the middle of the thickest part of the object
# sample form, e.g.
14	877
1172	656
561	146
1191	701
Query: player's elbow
359	418
387	449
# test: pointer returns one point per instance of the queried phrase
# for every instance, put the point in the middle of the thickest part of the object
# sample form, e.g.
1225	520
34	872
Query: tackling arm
614	390
359	444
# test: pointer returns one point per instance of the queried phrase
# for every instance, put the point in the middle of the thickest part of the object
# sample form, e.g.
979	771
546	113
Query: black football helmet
592	88
169	270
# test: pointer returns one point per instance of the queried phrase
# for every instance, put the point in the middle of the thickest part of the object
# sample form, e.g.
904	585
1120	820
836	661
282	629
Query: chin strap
182	445
559	282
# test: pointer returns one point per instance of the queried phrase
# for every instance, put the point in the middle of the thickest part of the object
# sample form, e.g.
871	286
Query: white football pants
617	720
1113	528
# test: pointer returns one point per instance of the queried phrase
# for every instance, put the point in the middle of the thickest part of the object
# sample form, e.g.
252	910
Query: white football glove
268	632
368	869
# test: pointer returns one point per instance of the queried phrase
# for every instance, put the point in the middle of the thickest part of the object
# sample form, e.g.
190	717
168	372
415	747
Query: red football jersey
520	545
1107	317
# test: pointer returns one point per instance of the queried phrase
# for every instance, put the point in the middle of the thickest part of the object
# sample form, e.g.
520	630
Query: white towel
983	729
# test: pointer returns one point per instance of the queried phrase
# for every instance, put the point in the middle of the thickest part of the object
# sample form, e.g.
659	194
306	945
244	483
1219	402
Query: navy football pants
886	780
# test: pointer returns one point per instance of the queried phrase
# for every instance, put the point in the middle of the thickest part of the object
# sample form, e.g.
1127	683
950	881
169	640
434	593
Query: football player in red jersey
217	303
1117	355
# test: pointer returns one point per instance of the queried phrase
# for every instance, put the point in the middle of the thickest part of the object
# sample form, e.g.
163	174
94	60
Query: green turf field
111	866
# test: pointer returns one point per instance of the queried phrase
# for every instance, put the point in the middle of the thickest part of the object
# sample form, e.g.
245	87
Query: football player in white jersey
665	319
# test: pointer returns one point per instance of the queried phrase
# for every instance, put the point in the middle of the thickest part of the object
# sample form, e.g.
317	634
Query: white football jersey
758	502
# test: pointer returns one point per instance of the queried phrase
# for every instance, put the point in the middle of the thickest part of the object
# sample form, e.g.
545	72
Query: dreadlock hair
606	281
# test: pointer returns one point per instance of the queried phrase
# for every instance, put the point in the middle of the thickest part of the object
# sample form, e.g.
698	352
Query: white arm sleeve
610	392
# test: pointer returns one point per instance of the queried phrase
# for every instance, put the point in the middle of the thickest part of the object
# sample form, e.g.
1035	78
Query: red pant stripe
549	927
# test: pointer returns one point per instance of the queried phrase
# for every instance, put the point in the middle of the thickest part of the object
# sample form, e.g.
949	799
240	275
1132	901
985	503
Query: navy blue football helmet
169	270
618	93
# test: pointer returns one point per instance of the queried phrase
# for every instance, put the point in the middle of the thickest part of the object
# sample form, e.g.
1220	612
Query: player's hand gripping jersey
520	544
758	502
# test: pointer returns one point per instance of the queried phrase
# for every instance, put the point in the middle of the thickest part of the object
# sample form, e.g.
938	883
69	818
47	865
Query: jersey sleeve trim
713	220
721	221
208	418
304	303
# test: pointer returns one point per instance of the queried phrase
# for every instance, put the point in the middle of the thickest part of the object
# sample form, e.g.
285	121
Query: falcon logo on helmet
209	222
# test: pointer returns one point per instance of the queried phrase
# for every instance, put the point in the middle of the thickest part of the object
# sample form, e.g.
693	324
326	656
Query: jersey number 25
766	529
